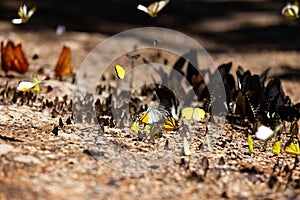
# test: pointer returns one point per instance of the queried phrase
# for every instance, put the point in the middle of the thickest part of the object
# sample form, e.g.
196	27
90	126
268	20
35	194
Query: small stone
27	159
5	148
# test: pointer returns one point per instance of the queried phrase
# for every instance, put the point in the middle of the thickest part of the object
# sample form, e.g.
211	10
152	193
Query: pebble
66	135
5	148
27	159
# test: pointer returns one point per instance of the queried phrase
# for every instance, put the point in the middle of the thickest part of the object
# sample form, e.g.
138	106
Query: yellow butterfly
171	124
291	11
153	8
250	143
292	146
24	14
196	114
120	71
276	147
135	126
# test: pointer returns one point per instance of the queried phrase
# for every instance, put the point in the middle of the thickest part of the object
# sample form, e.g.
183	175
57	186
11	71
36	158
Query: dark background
113	16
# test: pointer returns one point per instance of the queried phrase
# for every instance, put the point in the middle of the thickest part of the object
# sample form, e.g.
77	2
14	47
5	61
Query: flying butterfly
290	11
153	8
24	14
196	114
120	71
63	65
13	58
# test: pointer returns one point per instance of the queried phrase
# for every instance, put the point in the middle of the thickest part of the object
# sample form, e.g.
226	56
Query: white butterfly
153	8
152	116
25	86
24	14
263	132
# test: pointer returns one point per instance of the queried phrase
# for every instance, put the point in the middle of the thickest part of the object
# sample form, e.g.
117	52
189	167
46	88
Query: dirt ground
35	163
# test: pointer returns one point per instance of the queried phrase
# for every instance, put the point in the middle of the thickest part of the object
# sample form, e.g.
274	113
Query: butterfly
153	8
135	126
292	146
264	133
13	58
196	114
24	14
276	147
186	147
63	65
168	103
291	11
120	71
250	143
26	86
171	124
151	116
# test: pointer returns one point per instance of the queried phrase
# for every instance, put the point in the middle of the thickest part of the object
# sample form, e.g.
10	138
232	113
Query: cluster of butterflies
248	102
13	59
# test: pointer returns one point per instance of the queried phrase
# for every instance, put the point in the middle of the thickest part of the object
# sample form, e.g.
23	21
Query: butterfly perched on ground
171	124
153	8
291	11
26	86
13	58
24	14
292	146
276	147
63	65
264	133
120	71
152	115
196	114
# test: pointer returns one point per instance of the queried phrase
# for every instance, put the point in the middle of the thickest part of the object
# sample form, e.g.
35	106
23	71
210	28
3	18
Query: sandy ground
37	164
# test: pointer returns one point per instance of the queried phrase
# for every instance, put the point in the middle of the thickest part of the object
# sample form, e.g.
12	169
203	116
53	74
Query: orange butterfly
63	65
13	58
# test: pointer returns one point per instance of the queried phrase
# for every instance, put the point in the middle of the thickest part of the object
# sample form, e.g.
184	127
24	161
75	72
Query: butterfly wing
25	86
120	71
63	65
142	8
171	124
263	132
135	126
198	114
20	62
186	147
187	113
292	146
276	147
250	143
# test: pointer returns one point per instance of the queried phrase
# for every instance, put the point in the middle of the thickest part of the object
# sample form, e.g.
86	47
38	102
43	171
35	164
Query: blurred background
225	26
